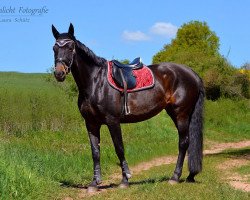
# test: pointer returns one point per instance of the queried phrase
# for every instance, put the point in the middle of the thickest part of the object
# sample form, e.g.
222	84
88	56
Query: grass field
153	184
44	146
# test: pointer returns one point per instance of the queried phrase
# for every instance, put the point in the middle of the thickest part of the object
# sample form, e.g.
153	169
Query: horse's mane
85	51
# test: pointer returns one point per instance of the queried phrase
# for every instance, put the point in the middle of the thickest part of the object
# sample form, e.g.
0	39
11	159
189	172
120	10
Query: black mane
90	55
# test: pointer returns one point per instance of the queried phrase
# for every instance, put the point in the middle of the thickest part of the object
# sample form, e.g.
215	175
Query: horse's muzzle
60	72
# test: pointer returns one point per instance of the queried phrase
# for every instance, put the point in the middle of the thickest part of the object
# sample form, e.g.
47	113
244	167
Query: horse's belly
143	106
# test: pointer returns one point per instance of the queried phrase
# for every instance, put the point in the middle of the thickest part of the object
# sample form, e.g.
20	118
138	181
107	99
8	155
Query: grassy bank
44	143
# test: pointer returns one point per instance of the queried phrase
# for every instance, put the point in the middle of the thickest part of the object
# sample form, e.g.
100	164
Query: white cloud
135	36
164	29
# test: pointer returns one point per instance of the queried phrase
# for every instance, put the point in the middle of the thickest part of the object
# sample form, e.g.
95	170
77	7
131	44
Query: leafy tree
197	46
197	35
194	42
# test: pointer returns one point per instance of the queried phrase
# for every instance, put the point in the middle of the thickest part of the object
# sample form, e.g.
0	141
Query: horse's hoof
92	189
124	185
173	182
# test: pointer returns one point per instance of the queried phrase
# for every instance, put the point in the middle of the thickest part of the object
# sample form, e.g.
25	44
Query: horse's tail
195	154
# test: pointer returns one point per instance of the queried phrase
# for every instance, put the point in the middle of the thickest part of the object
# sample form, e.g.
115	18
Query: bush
244	82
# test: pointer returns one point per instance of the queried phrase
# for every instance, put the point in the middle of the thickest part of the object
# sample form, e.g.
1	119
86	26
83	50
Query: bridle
61	43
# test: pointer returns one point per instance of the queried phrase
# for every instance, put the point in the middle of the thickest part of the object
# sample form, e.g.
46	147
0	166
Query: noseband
61	43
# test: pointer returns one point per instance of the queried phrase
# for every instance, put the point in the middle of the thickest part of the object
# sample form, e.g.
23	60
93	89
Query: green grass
153	185
227	120
242	154
64	157
29	103
244	171
44	144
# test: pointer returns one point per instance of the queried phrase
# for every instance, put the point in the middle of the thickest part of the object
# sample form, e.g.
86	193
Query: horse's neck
86	66
77	78
83	74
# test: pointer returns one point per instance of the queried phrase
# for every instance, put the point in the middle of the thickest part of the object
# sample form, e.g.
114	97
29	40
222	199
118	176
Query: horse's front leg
116	134
94	137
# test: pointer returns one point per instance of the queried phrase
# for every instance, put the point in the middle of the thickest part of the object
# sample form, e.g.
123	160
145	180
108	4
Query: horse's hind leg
116	134
182	124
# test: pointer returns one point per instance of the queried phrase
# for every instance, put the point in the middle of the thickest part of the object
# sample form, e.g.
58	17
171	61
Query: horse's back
175	71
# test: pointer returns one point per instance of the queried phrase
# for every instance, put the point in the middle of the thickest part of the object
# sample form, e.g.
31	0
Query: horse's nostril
59	73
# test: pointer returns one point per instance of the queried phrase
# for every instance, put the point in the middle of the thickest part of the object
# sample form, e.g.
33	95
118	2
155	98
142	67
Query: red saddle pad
144	79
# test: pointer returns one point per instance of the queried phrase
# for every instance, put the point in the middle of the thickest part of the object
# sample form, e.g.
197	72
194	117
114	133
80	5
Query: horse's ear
71	30
55	32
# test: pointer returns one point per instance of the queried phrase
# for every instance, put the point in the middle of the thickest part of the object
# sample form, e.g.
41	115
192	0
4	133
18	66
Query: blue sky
116	29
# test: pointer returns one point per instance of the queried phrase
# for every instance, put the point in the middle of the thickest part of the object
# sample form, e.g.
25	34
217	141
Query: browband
63	42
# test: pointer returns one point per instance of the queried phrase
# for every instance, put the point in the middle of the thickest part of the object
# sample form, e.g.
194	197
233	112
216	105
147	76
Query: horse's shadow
115	185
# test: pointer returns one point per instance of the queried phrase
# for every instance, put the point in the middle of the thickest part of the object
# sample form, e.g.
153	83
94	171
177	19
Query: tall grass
29	103
227	120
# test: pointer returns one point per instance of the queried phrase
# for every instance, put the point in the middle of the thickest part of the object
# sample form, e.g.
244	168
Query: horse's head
64	51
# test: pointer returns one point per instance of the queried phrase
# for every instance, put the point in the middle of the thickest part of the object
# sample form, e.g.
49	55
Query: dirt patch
218	148
235	180
240	185
144	166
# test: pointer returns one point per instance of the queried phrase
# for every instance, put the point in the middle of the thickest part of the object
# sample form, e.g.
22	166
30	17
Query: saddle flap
127	73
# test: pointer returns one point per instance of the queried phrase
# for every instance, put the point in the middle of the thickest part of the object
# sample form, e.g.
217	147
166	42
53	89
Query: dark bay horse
177	89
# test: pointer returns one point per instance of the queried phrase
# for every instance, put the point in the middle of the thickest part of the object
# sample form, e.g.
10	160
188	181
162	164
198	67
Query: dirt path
235	180
218	148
